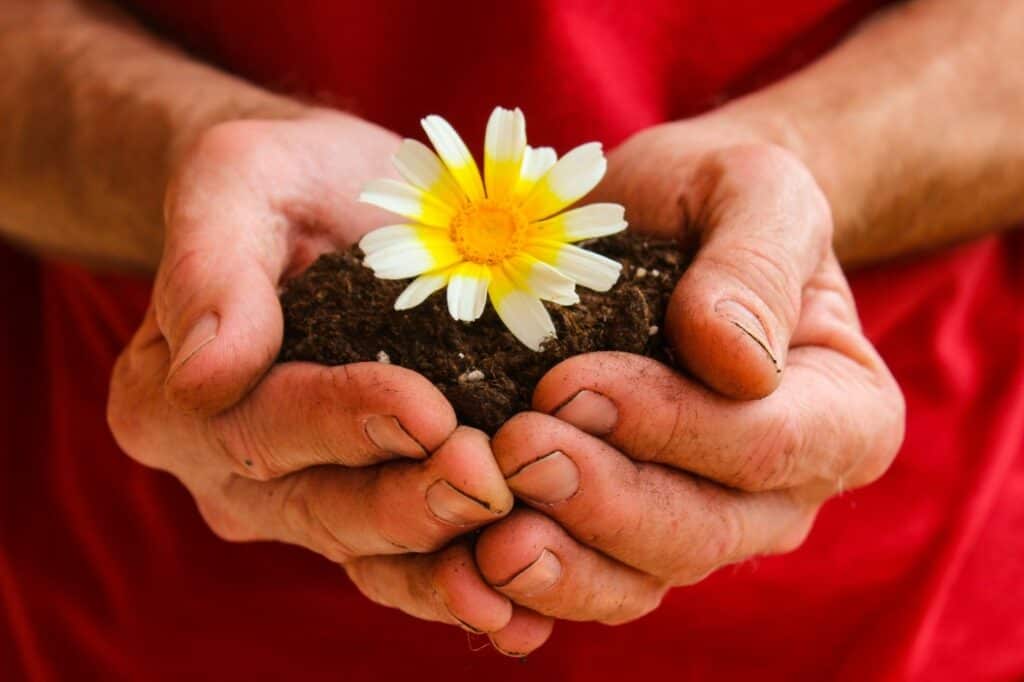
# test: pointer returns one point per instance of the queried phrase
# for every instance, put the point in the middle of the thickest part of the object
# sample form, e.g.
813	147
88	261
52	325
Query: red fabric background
107	572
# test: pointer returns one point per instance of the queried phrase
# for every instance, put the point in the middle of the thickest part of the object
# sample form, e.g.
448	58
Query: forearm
912	126
94	113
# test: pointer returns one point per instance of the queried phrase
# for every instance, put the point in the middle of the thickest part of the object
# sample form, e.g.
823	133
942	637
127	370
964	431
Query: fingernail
203	332
544	572
386	432
590	412
463	624
748	322
510	654
550	479
453	506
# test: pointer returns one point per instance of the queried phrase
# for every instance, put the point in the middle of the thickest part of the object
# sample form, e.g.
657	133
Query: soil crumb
337	312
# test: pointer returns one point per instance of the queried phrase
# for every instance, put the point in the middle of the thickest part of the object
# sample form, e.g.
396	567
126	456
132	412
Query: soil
337	312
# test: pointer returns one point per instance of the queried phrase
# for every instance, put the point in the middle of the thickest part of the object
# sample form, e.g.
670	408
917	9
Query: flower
504	236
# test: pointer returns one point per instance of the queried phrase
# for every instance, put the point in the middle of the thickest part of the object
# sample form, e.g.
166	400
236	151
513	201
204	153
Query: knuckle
637	604
722	543
681	430
126	417
236	438
177	286
788	176
771	463
766	269
393	524
796	534
884	441
221	519
230	140
303	516
123	422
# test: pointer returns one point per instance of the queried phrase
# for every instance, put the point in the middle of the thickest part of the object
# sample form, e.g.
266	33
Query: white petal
420	289
586	222
541	280
393	234
406	200
590	269
523	313
569	179
392	264
504	144
467	291
536	162
455	154
412	255
419	165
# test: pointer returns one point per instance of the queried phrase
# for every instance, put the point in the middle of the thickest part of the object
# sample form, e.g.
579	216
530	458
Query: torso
107	571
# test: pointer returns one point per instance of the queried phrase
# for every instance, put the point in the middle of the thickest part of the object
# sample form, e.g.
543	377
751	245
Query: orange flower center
488	232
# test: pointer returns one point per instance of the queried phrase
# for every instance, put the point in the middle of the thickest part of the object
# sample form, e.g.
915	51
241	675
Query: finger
530	559
392	508
833	422
303	414
525	633
735	308
136	395
445	587
661	521
216	289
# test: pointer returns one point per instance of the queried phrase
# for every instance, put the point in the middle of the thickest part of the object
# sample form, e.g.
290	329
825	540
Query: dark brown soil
337	312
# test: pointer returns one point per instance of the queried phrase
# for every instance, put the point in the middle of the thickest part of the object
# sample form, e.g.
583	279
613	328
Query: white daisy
503	236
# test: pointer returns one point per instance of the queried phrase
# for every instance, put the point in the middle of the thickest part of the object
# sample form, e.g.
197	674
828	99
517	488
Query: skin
899	140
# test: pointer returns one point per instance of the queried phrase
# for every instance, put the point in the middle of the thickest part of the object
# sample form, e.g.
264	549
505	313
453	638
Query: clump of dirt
338	312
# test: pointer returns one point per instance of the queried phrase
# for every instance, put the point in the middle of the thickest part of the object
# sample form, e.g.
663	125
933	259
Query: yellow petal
536	162
420	167
456	156
590	269
540	279
569	179
504	145
400	251
406	200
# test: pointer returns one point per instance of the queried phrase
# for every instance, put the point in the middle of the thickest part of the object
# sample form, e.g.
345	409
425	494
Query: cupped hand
362	463
639	477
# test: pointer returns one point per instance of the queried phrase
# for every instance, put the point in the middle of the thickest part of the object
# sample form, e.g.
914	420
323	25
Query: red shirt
107	571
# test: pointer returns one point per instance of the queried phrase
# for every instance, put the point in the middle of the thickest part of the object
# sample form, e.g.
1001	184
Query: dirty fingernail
544	572
590	412
453	506
550	479
386	433
203	332
740	315
463	624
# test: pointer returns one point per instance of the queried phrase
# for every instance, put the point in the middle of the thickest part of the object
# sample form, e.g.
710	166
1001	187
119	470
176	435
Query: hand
362	463
645	478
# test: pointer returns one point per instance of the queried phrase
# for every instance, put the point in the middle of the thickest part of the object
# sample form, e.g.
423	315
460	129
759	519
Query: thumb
766	230
216	303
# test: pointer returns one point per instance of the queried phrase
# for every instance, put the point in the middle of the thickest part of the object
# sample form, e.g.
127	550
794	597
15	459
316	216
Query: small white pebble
656	273
641	273
471	377
652	330
383	357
